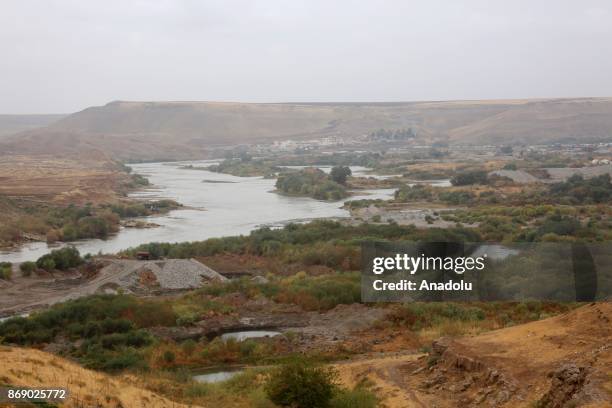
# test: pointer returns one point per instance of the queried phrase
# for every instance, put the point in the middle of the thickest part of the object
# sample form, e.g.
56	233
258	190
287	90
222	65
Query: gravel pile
518	176
171	274
184	274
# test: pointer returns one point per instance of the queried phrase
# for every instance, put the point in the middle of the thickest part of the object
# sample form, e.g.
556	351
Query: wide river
218	205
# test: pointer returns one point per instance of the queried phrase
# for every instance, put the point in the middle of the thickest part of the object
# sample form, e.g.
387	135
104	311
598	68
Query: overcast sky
62	56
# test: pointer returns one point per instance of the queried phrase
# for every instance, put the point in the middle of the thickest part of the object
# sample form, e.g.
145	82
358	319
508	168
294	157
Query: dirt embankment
34	368
91	178
557	362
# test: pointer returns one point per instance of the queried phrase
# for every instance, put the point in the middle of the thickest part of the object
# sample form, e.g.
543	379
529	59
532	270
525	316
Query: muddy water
219	205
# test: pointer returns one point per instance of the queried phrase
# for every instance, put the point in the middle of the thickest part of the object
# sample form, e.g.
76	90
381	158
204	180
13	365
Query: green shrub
418	192
469	177
62	259
92	227
301	384
124	359
311	182
189	346
578	190
457	197
46	262
169	357
339	174
27	268
418	315
357	398
111	326
6	270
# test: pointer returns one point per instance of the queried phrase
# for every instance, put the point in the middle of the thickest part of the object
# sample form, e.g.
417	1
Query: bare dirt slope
91	177
557	362
158	130
34	368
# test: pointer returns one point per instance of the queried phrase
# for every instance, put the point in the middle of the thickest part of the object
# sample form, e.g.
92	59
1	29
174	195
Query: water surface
249	334
217	376
224	205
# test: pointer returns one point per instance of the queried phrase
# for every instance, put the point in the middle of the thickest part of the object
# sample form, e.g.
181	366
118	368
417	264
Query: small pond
249	334
217	376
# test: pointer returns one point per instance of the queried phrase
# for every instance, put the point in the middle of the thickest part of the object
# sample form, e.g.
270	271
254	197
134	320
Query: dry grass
34	368
41	178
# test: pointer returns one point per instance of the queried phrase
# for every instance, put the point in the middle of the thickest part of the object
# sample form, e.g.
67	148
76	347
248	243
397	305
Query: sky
61	56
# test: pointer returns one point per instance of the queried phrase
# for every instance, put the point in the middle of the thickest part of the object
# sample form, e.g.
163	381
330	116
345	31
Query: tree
27	268
339	174
469	177
62	259
6	270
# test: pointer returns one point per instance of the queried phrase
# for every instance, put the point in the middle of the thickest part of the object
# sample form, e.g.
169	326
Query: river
224	205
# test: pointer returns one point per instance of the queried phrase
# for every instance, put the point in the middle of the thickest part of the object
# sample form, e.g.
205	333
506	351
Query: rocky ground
426	215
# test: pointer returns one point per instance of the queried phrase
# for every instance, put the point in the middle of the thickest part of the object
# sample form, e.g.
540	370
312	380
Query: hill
174	130
10	124
34	368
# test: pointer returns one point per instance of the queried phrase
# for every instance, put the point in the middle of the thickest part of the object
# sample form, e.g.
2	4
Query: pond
215	376
249	334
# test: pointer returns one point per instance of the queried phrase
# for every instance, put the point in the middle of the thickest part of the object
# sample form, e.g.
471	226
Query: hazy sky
62	56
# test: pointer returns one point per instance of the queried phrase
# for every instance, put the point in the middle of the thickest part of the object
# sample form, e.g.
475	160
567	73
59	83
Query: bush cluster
301	383
312	182
62	259
466	178
577	190
110	327
6	270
